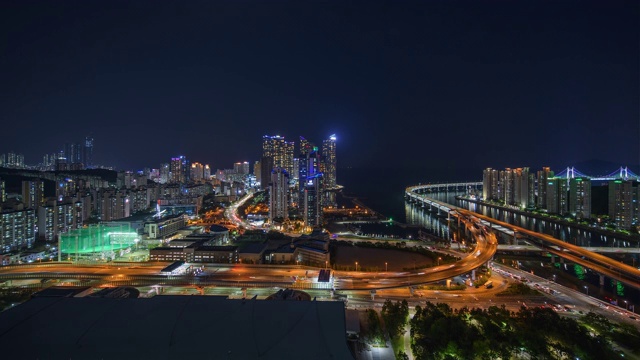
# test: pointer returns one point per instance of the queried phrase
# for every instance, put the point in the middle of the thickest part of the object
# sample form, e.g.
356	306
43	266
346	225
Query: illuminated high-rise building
532	191
543	175
487	184
311	200
280	151
164	173
17	228
57	218
12	160
206	172
88	152
329	160
557	199
256	171
73	152
508	186
580	197
305	147
308	166
180	170
521	187
113	205
3	196
241	168
279	194
197	171
266	165
33	193
621	203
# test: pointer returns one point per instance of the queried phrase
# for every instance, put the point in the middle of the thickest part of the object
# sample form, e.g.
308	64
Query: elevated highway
597	262
576	254
265	276
255	276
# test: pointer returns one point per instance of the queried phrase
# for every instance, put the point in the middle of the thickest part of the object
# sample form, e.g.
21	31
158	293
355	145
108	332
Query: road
237	275
599	263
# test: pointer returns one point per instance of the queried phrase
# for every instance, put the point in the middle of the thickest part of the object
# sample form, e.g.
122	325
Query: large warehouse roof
173	327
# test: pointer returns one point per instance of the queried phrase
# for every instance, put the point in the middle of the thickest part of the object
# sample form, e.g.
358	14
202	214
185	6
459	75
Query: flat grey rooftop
173	327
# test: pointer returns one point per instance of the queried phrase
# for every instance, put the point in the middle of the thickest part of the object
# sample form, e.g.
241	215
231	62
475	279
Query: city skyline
545	84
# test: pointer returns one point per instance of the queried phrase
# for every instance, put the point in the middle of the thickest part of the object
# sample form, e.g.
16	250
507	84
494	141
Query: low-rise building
164	227
196	253
252	253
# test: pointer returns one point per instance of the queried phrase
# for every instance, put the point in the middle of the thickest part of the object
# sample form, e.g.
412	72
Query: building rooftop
218	228
216	248
253	248
173	266
61	291
174	327
165	218
311	248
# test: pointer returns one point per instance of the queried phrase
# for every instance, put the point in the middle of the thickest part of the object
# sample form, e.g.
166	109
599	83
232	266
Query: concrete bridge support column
601	280
411	290
473	275
448	283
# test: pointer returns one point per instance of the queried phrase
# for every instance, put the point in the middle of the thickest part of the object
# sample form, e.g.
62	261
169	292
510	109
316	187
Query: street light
627	305
439	258
356	266
386	269
325	264
586	289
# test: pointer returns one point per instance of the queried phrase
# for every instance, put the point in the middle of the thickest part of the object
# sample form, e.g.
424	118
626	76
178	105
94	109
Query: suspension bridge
623	173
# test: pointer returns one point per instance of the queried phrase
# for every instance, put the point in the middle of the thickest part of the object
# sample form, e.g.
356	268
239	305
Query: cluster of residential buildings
12	160
57	200
521	188
300	182
49	204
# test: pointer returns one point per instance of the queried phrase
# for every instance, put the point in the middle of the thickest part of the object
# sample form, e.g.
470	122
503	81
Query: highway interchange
354	286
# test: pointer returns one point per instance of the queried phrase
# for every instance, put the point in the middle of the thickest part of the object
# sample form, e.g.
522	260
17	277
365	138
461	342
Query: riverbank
592	229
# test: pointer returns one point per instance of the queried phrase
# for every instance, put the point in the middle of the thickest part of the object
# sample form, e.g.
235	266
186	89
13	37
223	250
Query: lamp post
626	304
439	258
356	266
325	264
386	268
586	289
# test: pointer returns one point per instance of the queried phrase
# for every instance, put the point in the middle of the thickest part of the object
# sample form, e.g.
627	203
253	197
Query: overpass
254	276
244	276
248	276
576	254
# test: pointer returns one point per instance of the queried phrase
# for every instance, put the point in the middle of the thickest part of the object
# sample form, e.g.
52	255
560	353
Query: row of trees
394	316
440	332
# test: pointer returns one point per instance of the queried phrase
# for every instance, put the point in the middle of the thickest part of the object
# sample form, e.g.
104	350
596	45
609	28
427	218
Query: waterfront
569	275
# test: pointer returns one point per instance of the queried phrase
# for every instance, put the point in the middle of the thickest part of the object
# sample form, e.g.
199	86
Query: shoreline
355	200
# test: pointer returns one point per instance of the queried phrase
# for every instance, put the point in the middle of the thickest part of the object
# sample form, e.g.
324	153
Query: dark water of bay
382	189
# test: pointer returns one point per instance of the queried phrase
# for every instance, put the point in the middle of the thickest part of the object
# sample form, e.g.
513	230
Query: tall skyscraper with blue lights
329	160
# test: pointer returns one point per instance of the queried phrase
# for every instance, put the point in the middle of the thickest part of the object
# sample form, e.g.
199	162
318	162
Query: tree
374	329
395	316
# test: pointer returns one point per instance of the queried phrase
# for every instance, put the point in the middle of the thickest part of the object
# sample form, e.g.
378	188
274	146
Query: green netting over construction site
97	242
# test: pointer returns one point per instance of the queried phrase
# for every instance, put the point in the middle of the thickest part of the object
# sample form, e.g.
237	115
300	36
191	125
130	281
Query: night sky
424	84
